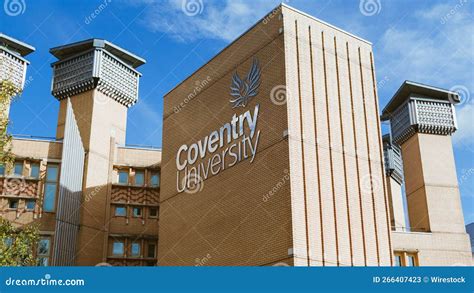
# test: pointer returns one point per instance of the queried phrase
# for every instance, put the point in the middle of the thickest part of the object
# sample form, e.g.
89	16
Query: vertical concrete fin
70	193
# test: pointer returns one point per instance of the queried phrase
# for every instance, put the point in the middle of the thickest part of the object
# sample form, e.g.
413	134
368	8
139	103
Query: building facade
95	199
272	155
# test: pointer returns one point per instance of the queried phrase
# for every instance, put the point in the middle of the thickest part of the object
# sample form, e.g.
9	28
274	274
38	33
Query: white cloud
465	134
222	20
435	47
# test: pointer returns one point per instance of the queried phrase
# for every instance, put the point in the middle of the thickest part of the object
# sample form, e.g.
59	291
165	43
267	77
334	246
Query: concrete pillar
422	119
394	178
101	82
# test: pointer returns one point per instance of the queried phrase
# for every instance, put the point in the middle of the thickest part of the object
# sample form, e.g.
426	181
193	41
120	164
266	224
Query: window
135	249
123	177
2	170
411	260
120	211
18	170
30	204
153	213
398	260
50	188
34	173
137	212
43	251
155	180
13	204
139	178
117	248
151	250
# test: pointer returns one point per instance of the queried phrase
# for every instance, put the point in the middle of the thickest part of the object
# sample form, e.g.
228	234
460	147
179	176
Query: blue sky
431	42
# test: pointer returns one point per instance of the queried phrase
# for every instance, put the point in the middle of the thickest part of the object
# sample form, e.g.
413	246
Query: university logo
242	91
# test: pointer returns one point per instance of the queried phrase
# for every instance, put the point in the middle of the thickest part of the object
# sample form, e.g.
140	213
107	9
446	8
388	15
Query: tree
7	92
16	244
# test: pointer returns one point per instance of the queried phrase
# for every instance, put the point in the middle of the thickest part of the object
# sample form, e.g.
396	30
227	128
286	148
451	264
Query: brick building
272	155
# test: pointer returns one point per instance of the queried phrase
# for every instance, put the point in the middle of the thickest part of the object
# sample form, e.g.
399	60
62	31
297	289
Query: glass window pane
118	248
139	178
411	261
49	197
155	180
18	171
120	211
135	249
30	204
153	212
43	261
123	177
398	261
13	203
52	173
151	250
34	171
43	247
137	212
2	169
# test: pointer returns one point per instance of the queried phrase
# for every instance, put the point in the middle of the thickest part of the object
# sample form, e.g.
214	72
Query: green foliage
16	244
7	92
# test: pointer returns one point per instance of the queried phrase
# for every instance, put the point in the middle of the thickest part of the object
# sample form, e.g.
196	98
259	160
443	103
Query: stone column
422	120
99	82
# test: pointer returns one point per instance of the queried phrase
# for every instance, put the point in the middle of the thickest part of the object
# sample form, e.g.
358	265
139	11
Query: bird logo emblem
242	91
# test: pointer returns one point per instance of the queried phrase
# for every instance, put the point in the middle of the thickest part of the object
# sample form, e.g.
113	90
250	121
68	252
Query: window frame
148	249
18	163
135	244
138	208
47	255
116	207
48	182
123	247
12	200
151	179
123	171
142	172
157	212
26	204
32	165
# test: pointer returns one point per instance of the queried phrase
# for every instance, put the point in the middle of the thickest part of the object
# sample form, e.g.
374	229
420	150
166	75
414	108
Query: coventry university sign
228	145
